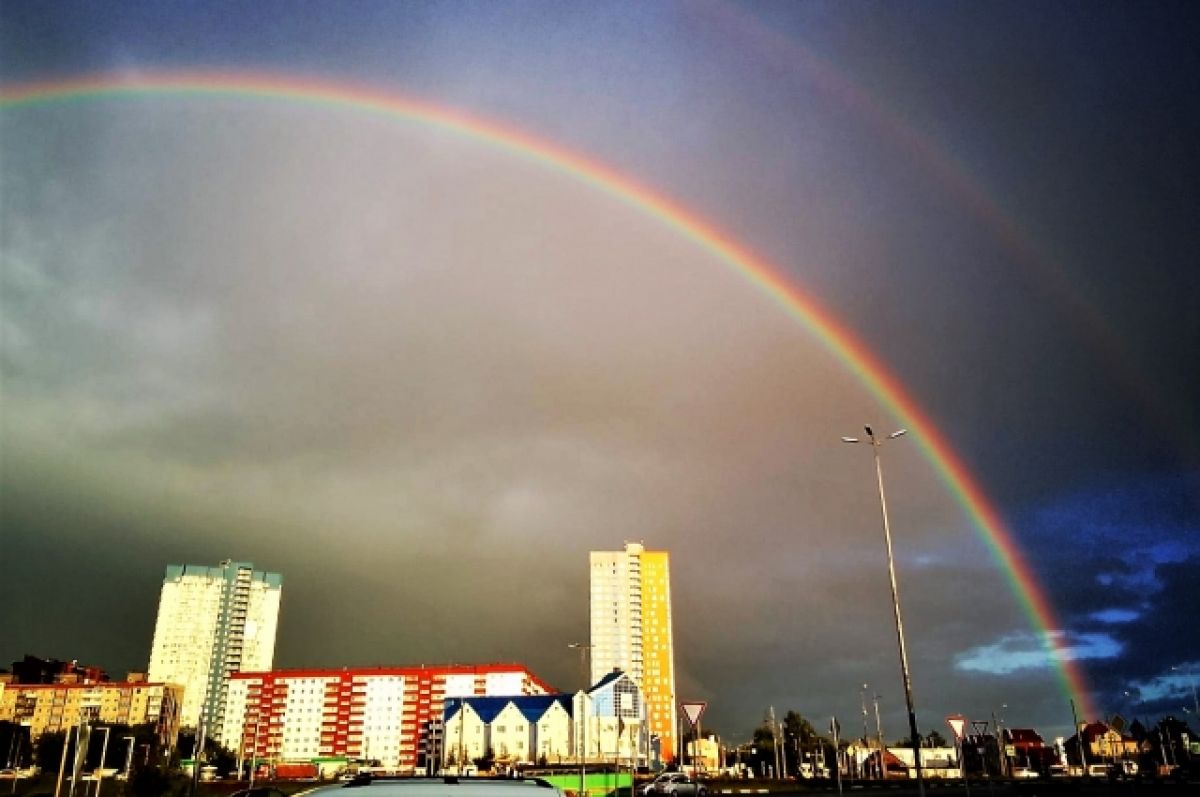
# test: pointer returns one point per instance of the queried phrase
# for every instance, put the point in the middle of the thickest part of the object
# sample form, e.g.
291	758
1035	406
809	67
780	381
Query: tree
486	761
149	782
49	750
16	748
804	744
932	739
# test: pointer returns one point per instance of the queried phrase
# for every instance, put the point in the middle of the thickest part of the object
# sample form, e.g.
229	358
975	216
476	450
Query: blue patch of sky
1126	526
1020	652
1176	685
1116	616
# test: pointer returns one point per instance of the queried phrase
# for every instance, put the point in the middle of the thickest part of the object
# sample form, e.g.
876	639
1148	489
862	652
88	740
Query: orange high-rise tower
631	630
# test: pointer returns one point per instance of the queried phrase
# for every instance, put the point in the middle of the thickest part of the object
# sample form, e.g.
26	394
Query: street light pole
866	734
103	753
584	650
128	756
882	770
1191	682
887	535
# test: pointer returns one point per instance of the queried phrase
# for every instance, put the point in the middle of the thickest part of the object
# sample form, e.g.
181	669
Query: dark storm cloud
418	376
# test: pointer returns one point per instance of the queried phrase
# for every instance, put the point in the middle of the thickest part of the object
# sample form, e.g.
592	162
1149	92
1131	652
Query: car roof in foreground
443	787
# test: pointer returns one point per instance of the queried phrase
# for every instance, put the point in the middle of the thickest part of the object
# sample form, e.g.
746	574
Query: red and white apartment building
387	714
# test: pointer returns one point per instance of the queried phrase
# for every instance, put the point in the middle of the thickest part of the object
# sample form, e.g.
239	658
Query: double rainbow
763	275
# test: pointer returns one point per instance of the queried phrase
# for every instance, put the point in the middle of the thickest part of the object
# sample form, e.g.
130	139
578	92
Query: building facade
213	622
517	730
49	708
631	631
392	715
604	724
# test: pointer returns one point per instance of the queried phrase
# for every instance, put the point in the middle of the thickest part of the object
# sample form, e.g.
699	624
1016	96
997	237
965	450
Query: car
647	788
258	791
650	787
447	786
1024	772
679	784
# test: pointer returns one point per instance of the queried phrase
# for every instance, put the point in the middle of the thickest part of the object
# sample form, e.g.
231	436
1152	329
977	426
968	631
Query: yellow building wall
658	654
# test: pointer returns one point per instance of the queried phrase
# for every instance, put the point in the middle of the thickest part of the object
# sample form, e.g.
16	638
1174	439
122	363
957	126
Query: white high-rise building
631	630
212	622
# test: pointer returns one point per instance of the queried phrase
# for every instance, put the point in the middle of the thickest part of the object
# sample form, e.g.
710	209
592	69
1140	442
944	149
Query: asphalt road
1041	788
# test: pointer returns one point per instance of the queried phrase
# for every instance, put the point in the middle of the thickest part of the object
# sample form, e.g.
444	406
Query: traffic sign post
693	711
958	723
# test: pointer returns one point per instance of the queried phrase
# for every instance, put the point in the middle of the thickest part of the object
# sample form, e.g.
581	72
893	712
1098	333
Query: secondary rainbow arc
837	338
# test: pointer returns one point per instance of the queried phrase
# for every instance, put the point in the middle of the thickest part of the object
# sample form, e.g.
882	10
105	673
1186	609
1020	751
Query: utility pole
1079	737
887	536
866	734
879	737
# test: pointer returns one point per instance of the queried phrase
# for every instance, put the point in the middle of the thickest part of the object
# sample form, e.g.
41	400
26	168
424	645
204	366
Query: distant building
528	729
34	670
1028	749
604	724
48	708
936	762
212	622
392	715
631	631
1102	744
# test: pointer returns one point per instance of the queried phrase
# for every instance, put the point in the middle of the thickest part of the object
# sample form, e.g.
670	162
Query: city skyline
420	304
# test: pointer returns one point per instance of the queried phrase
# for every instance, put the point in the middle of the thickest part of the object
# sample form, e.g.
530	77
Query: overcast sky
422	377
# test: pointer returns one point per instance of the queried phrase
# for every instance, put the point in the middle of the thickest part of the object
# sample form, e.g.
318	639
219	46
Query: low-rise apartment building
384	714
49	708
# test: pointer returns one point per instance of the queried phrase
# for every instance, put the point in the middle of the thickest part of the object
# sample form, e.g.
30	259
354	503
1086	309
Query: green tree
486	761
931	739
49	750
16	748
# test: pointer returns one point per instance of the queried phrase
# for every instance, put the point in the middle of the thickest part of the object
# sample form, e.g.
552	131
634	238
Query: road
1039	788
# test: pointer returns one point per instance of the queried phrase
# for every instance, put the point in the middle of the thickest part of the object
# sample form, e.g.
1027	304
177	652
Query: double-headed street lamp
875	444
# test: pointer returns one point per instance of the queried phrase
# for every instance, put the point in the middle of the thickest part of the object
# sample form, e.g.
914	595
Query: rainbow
764	276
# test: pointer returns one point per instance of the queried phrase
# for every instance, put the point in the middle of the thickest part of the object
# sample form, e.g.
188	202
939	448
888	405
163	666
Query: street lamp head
870	433
897	433
849	439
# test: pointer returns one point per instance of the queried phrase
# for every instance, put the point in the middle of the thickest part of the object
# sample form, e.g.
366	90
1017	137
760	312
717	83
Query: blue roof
532	707
615	675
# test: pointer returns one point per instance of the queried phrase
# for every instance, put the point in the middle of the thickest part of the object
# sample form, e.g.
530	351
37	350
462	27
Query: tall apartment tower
212	622
631	630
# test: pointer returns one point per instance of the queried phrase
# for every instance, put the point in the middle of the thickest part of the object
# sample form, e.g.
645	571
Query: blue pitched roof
615	675
532	707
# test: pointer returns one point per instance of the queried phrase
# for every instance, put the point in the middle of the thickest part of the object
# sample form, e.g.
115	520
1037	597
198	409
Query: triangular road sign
957	722
693	711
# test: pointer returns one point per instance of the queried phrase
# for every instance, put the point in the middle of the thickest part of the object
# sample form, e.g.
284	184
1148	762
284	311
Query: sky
422	375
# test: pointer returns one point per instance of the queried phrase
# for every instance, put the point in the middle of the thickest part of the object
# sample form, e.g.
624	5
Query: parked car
678	784
448	786
258	791
649	787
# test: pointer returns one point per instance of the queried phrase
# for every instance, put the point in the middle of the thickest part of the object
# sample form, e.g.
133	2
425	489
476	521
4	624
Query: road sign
693	711
957	722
